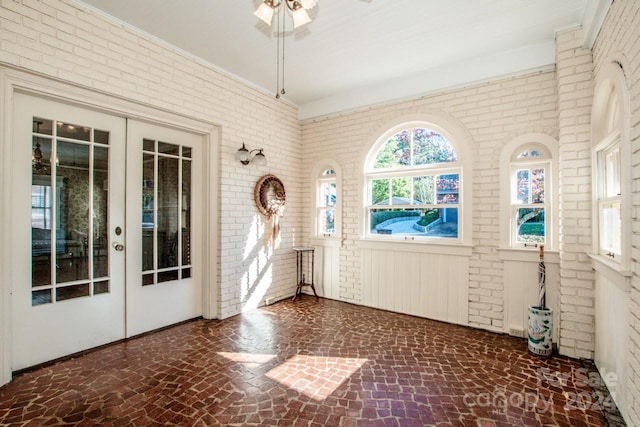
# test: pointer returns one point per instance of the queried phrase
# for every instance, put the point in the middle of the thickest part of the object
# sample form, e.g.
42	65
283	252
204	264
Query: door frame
12	81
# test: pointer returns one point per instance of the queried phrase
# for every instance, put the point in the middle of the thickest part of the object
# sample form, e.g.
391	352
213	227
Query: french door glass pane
148	210
73	197
100	212
69	211
166	212
41	210
186	211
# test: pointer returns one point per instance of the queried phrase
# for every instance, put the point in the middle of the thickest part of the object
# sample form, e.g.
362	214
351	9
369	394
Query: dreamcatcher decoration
270	198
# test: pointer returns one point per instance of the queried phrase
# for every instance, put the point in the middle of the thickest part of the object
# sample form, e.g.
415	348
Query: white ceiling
363	52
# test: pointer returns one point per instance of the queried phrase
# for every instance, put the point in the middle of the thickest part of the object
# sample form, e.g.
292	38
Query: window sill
528	255
326	242
612	270
416	246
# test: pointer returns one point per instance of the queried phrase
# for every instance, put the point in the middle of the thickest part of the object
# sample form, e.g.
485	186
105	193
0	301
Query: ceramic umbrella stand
540	325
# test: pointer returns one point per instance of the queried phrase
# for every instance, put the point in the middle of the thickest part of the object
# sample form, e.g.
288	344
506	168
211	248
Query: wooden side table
303	254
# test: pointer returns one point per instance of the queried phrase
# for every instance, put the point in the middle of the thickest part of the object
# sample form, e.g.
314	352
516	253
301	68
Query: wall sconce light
244	156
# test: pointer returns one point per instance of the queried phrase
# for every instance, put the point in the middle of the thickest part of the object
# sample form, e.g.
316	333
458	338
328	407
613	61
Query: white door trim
12	80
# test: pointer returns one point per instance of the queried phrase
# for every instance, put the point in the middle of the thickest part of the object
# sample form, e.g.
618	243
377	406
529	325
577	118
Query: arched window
530	194
414	185
611	164
529	188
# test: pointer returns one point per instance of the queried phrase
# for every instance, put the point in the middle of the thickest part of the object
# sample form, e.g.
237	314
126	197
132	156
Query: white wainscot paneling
429	281
613	287
327	268
521	288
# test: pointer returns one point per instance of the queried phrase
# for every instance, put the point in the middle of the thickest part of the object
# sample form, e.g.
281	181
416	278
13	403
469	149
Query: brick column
574	67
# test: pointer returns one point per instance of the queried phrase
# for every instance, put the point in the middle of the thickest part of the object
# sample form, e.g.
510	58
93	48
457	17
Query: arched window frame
611	163
509	165
460	142
320	179
530	165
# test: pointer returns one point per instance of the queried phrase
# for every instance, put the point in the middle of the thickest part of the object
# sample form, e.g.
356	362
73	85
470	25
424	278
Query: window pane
400	191
40	229
610	228
530	225
612	173
70	292
100	212
186	212
41	297
167	276
326	217
42	126
327	196
167	212
522	186
148	211
148	145
395	152
529	153
431	147
73	212
447	188
380	192
424	190
167	148
537	185
101	287
415	222
67	130
101	136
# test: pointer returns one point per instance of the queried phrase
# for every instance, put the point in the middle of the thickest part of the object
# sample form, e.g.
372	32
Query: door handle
118	247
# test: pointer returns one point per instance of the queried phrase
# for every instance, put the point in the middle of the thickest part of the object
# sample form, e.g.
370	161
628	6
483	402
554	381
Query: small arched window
530	195
414	185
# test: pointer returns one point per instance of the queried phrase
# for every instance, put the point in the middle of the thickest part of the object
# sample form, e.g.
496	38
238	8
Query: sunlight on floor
316	377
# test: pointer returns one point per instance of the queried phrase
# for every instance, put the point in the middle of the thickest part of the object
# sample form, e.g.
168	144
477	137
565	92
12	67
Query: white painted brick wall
575	94
619	39
493	114
62	39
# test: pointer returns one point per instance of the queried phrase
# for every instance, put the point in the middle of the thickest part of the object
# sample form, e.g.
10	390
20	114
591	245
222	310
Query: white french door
68	281
164	223
106	228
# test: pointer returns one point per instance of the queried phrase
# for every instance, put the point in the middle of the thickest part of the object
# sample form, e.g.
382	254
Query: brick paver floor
308	363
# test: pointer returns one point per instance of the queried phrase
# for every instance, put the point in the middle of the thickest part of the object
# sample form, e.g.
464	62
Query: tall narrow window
530	201
326	198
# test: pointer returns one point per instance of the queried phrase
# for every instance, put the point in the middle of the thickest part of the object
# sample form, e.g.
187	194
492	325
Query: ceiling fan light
300	17
265	12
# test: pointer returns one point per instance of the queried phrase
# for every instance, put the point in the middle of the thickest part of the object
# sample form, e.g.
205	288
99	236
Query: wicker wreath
270	196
